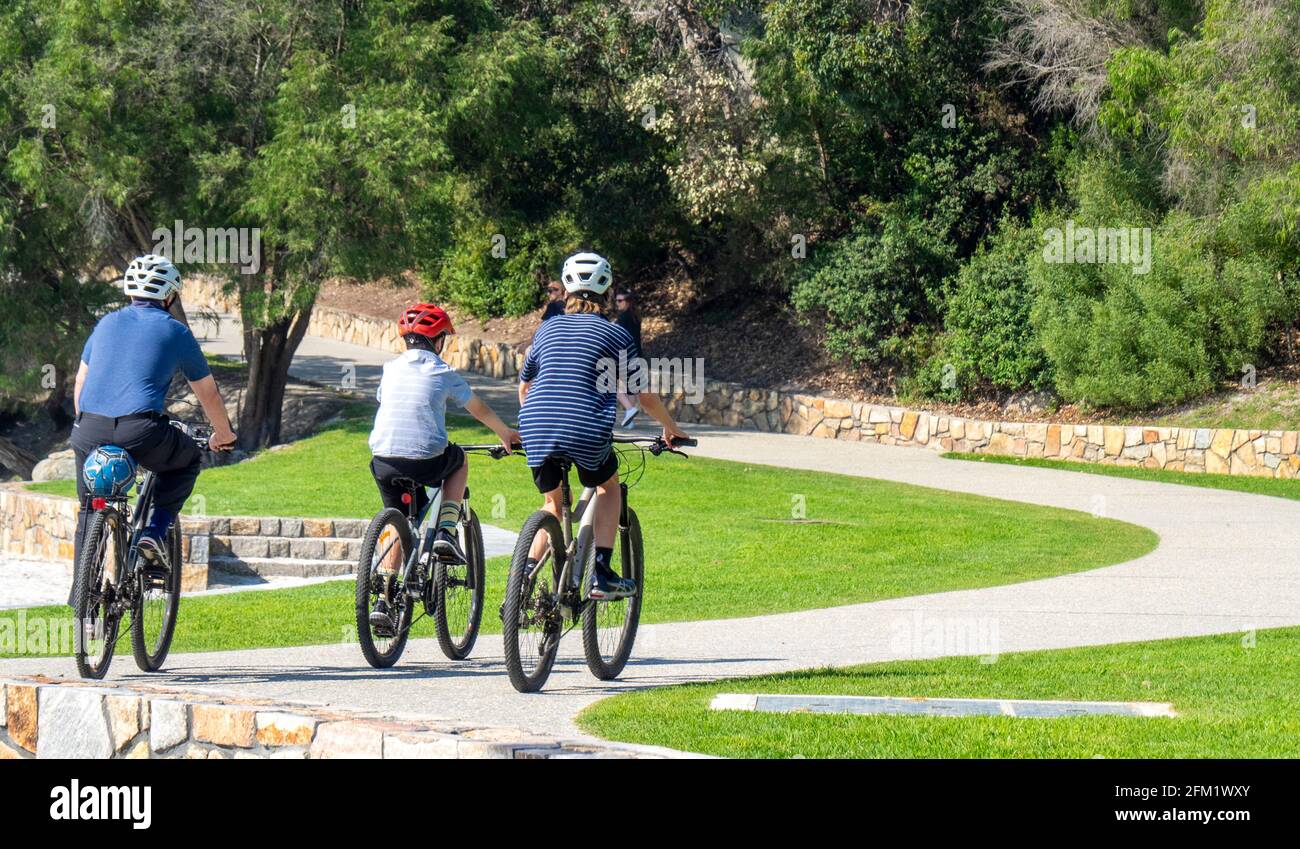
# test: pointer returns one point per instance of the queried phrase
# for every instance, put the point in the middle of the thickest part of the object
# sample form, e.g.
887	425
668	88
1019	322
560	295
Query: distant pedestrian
630	320
555	304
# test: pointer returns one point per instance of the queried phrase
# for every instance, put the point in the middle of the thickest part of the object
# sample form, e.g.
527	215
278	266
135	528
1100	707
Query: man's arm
223	436
76	389
523	390
479	409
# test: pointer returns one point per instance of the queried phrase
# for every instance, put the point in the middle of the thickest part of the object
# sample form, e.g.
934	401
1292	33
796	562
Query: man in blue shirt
564	411
121	388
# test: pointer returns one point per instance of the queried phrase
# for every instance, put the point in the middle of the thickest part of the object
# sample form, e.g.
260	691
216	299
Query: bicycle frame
576	546
424	531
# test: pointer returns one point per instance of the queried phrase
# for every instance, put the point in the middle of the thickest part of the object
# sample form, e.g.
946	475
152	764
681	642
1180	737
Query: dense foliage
892	171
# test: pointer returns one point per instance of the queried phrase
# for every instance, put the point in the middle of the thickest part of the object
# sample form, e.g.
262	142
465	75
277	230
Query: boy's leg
547	478
604	527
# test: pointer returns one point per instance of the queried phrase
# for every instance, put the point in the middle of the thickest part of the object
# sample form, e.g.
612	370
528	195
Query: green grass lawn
707	524
1279	487
1235	697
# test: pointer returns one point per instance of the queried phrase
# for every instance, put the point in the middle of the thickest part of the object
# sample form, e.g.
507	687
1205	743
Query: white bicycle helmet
586	273
151	276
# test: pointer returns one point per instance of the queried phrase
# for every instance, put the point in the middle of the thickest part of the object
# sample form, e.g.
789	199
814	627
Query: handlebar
198	432
656	444
494	450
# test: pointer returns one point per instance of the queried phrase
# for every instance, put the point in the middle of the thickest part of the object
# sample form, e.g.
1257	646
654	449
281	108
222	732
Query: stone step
281	566
285	527
300	548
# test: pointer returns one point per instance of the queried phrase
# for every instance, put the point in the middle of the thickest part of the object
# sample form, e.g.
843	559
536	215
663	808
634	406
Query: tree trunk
269	351
16	459
53	404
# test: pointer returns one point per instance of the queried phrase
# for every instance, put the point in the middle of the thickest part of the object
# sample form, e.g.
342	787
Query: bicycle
110	581
451	592
536	611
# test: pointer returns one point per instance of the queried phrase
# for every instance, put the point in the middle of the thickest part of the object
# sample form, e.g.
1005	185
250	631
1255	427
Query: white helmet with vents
587	273
151	276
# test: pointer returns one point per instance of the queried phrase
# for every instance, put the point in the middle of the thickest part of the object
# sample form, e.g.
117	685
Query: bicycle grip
685	443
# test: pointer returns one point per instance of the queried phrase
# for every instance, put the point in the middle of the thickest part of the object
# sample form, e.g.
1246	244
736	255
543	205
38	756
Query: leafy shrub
1116	338
989	338
874	286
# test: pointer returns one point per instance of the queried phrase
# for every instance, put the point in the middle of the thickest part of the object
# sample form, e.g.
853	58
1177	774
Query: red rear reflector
406	498
99	503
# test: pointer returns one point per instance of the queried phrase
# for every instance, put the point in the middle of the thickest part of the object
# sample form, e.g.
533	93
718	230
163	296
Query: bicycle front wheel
609	627
153	616
385	549
94	634
458	593
531	622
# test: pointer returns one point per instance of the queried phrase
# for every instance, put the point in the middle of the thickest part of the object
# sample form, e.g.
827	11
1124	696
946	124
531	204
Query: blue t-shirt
131	356
574	366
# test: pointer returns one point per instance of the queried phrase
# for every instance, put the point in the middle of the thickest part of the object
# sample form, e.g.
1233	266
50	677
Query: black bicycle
547	601
398	565
110	580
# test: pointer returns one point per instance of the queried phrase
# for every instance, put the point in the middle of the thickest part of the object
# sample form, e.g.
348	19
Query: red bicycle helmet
425	319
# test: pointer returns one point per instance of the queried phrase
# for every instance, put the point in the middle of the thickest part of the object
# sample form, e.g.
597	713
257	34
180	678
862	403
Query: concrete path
1226	562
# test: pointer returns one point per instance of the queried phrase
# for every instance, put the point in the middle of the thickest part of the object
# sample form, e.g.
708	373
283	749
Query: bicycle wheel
387	540
458	593
153	616
609	627
530	618
94	634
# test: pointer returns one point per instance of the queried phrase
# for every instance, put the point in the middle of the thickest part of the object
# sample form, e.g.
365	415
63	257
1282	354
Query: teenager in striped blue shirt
565	411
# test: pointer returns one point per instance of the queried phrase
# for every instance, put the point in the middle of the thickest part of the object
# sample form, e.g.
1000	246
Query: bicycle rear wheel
387	541
531	622
458	593
609	627
153	616
94	634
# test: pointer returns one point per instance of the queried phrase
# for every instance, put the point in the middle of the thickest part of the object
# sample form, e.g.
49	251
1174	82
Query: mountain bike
415	577
110	579
547	601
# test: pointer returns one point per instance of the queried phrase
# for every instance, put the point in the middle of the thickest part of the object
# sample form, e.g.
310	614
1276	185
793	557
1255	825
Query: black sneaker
608	586
447	548
380	621
153	558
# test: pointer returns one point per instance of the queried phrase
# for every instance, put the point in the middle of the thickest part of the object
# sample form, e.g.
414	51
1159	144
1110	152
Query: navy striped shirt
573	367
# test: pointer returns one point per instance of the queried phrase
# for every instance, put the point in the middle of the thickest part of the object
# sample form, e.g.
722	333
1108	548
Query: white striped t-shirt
412	417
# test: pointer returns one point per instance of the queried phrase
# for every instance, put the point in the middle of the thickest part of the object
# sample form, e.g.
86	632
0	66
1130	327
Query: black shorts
390	472
547	475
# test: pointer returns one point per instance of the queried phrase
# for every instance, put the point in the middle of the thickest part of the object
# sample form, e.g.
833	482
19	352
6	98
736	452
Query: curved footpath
1226	562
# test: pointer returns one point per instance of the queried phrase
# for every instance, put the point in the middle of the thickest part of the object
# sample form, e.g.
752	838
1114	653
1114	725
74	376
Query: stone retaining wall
33	524
1238	452
71	719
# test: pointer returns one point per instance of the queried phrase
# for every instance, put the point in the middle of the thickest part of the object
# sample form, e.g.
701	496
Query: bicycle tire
377	656
517	606
169	604
598	616
89	602
454	582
